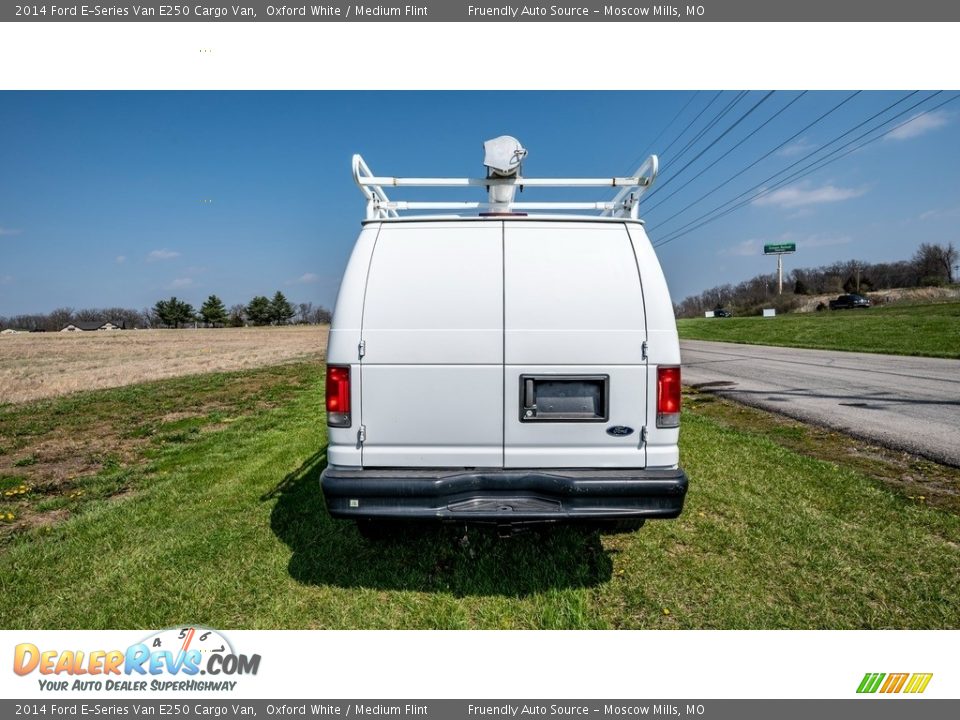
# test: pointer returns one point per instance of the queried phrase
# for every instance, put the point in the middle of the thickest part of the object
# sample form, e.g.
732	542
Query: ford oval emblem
619	431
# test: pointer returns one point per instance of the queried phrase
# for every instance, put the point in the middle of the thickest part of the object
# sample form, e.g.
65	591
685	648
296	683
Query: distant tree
259	311
800	287
280	309
304	311
150	318
321	316
173	312
933	264
237	315
213	311
59	318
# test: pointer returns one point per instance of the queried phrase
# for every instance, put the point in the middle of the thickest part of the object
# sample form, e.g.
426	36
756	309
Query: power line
824	161
794	164
718	139
692	122
666	127
747	137
707	128
829	158
763	157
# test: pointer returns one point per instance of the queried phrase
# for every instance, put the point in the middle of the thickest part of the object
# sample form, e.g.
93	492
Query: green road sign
779	248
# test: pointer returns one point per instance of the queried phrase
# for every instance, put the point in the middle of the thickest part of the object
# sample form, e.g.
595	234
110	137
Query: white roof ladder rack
625	204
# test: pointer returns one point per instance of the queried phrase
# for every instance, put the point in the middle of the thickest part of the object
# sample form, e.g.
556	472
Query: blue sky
123	198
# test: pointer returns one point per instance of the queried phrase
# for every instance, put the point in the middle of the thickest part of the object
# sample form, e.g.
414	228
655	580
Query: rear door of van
432	338
575	377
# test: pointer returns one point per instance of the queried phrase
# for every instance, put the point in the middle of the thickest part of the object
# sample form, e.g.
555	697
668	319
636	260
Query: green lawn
932	330
224	525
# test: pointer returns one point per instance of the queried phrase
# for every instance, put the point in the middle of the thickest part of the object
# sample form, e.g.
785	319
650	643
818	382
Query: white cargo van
503	367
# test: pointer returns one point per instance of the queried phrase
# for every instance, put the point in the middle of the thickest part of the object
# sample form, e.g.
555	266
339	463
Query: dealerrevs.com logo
178	659
890	683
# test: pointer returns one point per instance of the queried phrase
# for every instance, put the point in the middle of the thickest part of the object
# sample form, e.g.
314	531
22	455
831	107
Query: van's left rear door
432	371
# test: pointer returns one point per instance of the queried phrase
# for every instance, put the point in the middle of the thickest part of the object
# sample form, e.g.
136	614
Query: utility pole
779	273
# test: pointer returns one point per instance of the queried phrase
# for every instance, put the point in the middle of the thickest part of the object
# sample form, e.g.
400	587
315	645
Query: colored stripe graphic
870	682
895	683
918	682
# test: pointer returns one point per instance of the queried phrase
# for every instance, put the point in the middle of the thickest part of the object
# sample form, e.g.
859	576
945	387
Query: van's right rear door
575	377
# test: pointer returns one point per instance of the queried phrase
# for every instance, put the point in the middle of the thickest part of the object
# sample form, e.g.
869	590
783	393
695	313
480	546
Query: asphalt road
905	403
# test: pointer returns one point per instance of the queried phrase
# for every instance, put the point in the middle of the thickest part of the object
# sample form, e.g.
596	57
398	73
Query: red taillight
668	397
338	395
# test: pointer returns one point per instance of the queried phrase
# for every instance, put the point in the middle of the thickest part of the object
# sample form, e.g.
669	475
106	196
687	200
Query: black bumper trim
503	496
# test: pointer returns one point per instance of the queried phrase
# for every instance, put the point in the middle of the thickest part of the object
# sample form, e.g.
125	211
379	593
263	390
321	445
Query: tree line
931	266
175	313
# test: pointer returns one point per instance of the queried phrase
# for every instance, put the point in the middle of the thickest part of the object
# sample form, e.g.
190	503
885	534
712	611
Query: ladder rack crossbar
471	205
628	182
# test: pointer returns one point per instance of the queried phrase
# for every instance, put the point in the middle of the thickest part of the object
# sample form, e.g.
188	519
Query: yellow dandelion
666	611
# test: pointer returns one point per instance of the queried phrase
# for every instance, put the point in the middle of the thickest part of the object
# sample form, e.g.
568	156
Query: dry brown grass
41	365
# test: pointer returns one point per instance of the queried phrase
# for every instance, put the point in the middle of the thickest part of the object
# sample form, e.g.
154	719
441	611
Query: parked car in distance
848	302
722	313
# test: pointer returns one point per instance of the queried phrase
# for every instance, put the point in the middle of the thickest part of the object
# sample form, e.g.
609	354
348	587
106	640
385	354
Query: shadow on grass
427	558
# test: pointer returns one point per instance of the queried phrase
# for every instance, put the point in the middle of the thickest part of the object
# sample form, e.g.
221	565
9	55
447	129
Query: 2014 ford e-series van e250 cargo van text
503	367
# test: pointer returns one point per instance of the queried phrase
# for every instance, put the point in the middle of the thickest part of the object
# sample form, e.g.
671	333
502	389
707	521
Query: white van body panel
577	444
663	346
433	337
343	341
574	306
433	415
451	314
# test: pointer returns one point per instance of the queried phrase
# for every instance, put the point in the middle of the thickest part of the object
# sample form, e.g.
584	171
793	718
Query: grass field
39	365
211	513
931	330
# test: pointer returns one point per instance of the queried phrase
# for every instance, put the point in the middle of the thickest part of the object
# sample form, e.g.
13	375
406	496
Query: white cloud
797	147
949	212
305	279
163	254
918	125
799	196
181	283
6	279
9	231
744	248
815	241
121	259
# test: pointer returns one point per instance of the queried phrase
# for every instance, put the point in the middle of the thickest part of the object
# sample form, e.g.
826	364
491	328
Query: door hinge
643	350
361	434
362	348
643	435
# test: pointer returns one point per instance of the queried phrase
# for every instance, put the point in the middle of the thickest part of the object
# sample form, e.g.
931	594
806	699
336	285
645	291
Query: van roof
512	217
